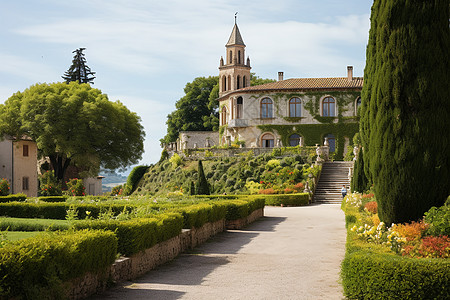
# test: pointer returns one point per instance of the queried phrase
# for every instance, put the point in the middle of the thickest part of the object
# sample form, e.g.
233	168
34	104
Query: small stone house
19	165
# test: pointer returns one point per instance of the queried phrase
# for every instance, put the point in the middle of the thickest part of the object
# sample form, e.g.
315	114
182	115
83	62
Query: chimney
280	76
350	73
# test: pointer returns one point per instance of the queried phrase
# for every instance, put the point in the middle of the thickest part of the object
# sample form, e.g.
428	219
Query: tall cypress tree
406	109
359	180
202	184
79	71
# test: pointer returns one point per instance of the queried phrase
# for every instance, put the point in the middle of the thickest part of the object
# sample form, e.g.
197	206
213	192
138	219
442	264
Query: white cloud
23	67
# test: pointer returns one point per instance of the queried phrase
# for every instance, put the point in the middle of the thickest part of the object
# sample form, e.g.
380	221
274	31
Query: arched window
244	81
267	140
223	116
358	104
294	140
328	107
266	108
239	56
331	142
229	83
231	57
238	82
295	108
224	83
239	108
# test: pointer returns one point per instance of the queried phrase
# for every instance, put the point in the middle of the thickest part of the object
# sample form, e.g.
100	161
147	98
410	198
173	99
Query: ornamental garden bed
51	264
403	261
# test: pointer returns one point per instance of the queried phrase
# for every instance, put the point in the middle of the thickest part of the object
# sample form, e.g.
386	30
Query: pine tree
202	183
405	109
79	71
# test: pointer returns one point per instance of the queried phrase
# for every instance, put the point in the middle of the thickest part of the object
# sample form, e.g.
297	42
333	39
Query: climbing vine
315	133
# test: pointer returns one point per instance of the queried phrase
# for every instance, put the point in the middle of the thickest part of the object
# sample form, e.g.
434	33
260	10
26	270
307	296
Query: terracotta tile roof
308	83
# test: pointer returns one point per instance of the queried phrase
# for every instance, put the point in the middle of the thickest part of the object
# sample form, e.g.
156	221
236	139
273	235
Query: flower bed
383	262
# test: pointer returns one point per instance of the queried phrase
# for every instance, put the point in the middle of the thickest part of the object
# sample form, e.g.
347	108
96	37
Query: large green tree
405	114
79	71
74	124
194	111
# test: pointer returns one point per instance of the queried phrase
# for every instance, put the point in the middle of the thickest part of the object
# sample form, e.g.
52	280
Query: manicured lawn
23	224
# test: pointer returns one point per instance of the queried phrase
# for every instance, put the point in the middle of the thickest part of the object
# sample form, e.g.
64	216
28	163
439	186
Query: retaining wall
127	268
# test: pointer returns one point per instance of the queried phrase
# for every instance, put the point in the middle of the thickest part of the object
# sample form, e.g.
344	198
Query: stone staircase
333	176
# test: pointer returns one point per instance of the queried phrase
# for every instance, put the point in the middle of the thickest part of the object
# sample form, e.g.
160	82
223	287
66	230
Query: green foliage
49	185
117	190
164	155
14	197
202	183
349	154
194	109
134	178
371	275
256	80
138	234
439	220
405	107
315	133
79	71
4	187
359	181
175	160
192	189
58	211
102	133
75	187
53	199
37	267
22	224
287	199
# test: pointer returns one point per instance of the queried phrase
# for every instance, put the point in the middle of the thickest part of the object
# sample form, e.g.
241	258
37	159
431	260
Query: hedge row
371	271
138	234
53	199
197	215
57	211
242	207
300	199
36	268
13	197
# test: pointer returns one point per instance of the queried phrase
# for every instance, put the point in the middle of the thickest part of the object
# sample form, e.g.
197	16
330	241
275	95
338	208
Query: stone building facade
288	112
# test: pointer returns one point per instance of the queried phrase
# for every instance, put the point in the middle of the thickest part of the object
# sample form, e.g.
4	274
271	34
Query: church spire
235	37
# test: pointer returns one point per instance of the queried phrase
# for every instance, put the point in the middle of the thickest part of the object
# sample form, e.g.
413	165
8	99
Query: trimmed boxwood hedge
53	199
13	197
35	268
57	211
299	199
138	234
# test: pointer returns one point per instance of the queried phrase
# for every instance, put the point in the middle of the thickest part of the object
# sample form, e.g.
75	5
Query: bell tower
234	71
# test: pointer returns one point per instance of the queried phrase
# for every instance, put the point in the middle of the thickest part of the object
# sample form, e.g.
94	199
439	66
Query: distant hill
111	180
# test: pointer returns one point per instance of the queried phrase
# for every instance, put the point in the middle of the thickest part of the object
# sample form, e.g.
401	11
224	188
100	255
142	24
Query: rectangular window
25	150
25	183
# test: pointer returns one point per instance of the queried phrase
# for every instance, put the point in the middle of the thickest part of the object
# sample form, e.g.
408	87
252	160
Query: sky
145	51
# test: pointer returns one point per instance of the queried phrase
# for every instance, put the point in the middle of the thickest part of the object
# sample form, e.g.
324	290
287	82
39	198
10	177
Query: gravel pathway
291	253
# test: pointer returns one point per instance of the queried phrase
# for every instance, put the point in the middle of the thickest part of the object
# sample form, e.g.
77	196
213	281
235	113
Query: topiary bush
4	187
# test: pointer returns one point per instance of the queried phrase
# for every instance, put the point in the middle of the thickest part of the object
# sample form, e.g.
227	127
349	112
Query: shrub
411	231
75	187
134	177
4	187
371	207
202	184
175	160
117	190
14	197
439	220
53	199
37	267
49	185
287	199
429	247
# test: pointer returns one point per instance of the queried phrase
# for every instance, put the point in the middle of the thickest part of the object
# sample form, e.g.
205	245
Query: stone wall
127	268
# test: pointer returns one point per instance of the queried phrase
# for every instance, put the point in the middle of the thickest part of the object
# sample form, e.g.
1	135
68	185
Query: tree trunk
59	165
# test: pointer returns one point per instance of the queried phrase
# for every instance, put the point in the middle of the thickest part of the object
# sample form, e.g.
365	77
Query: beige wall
192	138
93	186
246	128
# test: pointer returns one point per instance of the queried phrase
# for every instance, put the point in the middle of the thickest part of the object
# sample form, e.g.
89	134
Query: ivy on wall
315	133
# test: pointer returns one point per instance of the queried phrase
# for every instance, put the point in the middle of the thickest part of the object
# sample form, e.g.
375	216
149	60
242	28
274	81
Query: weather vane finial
235	17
